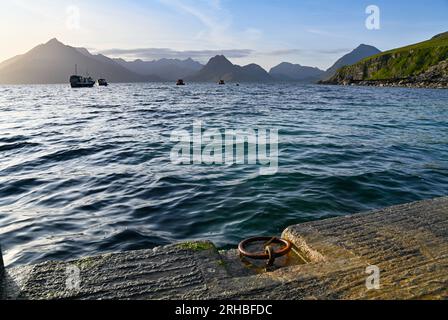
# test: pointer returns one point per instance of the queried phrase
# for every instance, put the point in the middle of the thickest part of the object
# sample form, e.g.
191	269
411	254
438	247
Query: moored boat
102	83
77	81
81	82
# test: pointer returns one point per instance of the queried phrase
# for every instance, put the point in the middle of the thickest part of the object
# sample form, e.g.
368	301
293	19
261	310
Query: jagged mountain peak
365	48
361	52
219	59
363	45
54	41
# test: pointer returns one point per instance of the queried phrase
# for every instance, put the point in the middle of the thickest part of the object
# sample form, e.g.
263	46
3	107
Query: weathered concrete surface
173	272
408	243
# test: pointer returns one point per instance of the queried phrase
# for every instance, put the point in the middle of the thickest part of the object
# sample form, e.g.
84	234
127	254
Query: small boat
180	82
221	82
102	83
80	81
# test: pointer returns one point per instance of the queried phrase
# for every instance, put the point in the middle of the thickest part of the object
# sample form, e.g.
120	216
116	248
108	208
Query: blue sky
267	32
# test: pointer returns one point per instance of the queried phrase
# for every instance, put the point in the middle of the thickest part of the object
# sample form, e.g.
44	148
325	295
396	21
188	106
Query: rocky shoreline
402	83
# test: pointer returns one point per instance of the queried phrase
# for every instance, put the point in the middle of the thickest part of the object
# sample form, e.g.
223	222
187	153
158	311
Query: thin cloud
334	51
202	55
160	53
283	52
290	52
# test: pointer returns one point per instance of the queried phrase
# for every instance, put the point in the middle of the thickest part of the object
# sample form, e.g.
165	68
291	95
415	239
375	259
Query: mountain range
286	71
219	68
54	62
165	69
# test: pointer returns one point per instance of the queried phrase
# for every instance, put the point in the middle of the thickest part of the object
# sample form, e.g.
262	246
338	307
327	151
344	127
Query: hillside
54	62
407	65
220	68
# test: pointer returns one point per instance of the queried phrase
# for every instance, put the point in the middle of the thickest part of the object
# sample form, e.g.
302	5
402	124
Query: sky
308	32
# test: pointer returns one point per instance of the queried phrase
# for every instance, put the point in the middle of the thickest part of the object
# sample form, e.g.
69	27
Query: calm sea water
88	171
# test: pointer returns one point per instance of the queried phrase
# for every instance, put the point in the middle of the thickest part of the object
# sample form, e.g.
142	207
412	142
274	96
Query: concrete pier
332	259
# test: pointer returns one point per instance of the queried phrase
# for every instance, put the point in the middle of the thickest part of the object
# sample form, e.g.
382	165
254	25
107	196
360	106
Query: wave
95	176
19	145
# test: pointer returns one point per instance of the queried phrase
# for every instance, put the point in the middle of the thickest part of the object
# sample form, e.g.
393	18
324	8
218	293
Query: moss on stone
196	246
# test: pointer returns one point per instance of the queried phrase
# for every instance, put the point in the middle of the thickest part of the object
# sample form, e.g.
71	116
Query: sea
90	171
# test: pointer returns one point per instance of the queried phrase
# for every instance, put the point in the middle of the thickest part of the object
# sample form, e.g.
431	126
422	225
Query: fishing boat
221	82
180	82
77	81
102	83
81	82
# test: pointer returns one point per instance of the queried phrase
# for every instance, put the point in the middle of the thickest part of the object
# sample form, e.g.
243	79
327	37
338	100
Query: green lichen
196	246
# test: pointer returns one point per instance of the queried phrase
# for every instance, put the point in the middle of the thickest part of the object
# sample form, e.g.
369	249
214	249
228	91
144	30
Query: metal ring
264	256
269	251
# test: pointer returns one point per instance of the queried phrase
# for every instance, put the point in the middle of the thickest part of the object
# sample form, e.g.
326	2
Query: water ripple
89	171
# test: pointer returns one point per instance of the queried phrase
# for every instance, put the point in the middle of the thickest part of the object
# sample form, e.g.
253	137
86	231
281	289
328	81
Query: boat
221	82
81	82
180	82
102	83
77	81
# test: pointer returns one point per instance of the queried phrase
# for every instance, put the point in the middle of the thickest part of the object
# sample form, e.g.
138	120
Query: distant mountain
54	62
361	52
424	64
165	69
98	57
286	71
220	68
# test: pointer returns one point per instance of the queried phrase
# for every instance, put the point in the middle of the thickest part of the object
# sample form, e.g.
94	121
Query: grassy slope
407	61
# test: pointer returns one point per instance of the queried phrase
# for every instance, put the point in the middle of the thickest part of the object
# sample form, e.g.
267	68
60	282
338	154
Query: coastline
394	83
407	244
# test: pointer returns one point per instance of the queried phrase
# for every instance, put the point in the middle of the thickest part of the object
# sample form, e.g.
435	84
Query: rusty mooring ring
267	255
